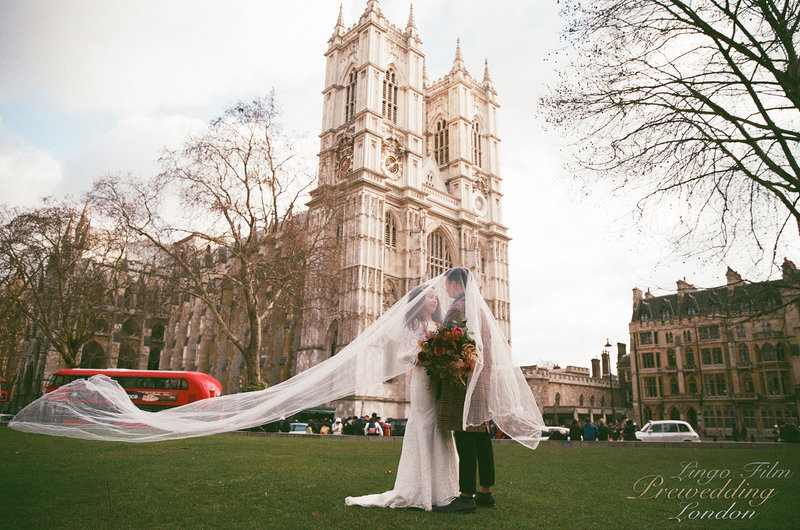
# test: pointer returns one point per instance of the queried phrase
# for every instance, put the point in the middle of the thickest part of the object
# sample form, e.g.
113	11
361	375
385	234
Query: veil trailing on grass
99	408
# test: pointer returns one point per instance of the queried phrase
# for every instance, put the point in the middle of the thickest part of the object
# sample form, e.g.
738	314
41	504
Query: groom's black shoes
458	505
485	500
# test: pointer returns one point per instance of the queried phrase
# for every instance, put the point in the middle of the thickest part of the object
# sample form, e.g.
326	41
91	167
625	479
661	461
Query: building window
580	400
749	418
687	335
477	151
350	97
438	254
780	351
673	387
650	387
390	237
390	96
740	332
768	352
711	418
441	143
670	357
691	382
668	337
558	399
711	355
744	354
648	361
646	337
708	332
689	357
715	384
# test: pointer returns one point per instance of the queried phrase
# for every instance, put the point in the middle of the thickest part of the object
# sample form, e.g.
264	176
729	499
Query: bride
427	474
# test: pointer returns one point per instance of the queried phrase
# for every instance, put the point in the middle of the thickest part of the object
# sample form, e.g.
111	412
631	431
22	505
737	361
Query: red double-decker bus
3	390
151	390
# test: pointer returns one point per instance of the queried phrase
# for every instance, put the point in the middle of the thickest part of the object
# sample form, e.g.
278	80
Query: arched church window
350	98
744	354
390	237
390	96
558	399
441	143
477	152
438	254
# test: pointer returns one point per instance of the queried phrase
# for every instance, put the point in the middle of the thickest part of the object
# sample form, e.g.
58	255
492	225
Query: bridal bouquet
448	354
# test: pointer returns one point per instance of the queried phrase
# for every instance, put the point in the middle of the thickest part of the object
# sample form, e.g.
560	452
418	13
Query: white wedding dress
428	471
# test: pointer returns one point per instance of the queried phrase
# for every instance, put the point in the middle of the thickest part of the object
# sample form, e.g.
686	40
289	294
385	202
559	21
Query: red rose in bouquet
448	354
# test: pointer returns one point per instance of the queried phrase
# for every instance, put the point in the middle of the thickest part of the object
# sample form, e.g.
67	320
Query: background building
564	394
723	359
414	164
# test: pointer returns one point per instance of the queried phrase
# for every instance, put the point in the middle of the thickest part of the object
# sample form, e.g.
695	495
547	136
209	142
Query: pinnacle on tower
458	64
340	21
373	5
425	71
411	23
487	79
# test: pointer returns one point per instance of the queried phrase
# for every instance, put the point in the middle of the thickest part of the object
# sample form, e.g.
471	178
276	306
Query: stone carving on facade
391	292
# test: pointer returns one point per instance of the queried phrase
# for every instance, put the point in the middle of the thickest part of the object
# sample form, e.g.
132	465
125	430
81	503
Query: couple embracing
447	439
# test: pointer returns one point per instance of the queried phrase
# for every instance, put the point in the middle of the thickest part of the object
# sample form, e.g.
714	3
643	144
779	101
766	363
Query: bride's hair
414	314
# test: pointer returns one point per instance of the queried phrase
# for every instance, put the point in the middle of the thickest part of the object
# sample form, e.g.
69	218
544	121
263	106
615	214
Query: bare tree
237	242
697	100
60	274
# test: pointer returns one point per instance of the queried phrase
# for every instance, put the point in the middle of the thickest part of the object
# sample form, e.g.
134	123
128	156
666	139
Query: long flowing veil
99	409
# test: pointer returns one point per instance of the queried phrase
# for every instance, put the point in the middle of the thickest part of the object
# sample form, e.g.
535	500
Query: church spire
411	27
411	23
338	29
458	64
340	21
487	79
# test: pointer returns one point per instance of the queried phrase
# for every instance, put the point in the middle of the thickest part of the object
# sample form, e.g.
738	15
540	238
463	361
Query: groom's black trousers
474	453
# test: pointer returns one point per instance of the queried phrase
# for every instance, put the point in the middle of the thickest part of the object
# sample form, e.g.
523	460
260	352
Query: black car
398	426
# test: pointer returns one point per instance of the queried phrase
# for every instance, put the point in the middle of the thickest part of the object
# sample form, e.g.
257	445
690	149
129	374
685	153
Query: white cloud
26	173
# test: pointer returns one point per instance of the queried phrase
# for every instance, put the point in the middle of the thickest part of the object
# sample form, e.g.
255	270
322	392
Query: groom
474	445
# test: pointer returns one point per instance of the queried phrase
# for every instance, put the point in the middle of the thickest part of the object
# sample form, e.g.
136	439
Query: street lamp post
607	351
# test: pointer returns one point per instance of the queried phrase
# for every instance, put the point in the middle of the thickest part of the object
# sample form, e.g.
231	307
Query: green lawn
231	481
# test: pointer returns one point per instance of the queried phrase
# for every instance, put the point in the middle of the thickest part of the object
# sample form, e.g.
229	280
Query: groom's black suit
474	445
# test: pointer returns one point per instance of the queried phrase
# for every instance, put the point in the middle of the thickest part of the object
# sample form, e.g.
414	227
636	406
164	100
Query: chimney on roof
684	287
637	297
621	350
648	294
606	363
596	368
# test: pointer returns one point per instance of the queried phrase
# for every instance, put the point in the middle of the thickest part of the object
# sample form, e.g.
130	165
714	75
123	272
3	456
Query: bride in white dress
428	471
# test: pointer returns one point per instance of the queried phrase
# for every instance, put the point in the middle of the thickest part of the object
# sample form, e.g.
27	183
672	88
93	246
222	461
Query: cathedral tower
415	168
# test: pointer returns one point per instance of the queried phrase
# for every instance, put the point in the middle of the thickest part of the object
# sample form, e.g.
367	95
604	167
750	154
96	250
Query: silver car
667	431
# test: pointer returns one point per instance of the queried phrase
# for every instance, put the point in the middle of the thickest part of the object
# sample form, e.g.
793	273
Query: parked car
667	431
298	428
397	426
555	433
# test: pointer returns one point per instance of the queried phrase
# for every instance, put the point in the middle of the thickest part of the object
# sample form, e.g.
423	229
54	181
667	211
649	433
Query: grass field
231	481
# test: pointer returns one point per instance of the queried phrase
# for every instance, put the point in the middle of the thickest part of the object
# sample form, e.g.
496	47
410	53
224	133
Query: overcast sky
91	87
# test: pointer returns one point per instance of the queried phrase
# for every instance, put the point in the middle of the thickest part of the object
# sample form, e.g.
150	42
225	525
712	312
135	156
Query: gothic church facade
414	165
